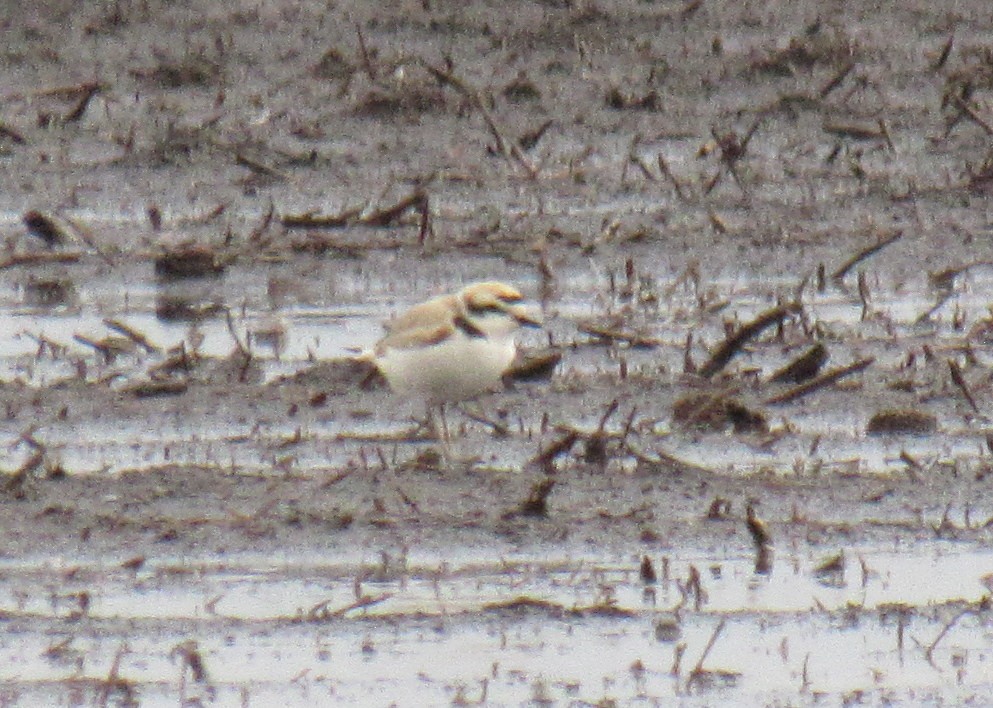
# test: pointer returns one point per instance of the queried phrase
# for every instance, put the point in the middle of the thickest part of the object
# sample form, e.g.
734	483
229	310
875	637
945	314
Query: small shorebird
453	347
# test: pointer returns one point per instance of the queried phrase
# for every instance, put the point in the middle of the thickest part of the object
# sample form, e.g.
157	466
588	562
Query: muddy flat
747	461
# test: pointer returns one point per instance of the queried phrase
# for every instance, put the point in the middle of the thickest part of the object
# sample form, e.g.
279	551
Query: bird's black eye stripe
484	309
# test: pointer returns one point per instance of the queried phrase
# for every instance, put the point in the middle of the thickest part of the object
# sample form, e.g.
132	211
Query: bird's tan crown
492	297
490	293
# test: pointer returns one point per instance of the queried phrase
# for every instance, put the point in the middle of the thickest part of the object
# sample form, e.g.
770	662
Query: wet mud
749	461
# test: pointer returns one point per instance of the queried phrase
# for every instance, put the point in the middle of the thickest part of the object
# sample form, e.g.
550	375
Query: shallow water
592	628
272	532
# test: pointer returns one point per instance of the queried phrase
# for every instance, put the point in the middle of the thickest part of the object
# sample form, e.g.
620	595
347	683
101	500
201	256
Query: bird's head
497	307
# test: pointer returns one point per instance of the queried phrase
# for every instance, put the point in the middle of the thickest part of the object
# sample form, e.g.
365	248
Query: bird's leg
442	433
446	437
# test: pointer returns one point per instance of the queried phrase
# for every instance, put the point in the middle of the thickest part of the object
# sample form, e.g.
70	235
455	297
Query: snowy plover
453	347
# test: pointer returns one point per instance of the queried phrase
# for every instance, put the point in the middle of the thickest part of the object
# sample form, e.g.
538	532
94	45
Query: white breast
456	369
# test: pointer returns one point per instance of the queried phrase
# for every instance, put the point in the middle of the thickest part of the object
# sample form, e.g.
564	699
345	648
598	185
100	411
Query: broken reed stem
385	216
865	253
425	226
732	344
828	377
113	679
946	51
941	635
30	259
557	447
234	335
944	279
611	409
972	114
803	367
665	170
418	199
7	132
312	221
86	94
698	669
320	612
605	331
366	58
959	380
134	335
259	167
938	304
507	148
836	79
86	237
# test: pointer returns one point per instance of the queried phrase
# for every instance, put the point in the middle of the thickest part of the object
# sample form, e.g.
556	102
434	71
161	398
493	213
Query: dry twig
865	253
959	380
698	670
720	358
825	379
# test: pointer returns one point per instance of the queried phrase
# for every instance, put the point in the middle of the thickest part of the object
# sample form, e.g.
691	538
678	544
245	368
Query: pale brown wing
426	314
415	338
